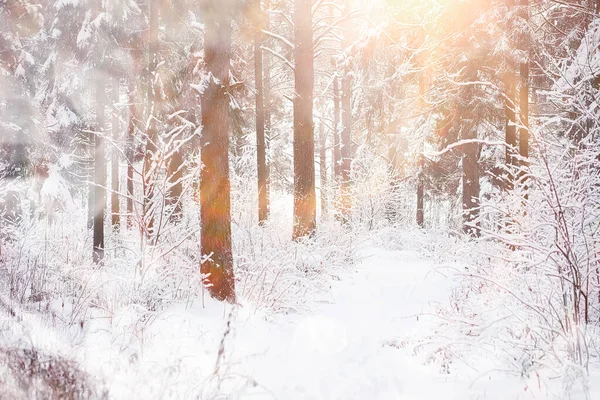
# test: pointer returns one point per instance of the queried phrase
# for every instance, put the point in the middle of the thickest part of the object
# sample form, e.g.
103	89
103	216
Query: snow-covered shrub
30	373
528	299
378	194
273	273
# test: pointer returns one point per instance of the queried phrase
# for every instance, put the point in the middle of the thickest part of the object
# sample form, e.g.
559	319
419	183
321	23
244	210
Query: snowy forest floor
368	336
358	343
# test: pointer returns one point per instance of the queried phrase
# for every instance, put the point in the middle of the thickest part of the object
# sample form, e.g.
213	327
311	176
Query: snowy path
340	351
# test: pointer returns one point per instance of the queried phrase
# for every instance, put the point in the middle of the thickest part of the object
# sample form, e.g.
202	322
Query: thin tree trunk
305	199
337	156
267	104
175	184
323	170
91	174
511	129
420	192
346	145
470	160
100	175
261	147
151	134
215	202
130	152
524	98
114	199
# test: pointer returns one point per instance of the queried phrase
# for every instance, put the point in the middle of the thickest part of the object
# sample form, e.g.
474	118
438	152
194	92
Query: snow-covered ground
357	344
363	339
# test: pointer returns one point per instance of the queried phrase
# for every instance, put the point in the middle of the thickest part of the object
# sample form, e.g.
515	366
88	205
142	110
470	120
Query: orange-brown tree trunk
524	94
305	198
215	202
470	157
261	145
511	128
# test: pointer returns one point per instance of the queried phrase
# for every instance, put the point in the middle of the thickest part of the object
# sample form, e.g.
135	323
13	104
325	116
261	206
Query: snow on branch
462	143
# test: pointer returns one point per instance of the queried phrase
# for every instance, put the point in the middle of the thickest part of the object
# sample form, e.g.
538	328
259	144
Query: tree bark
420	192
346	145
99	175
215	202
91	174
130	152
175	184
323	170
305	199
114	198
151	134
470	159
524	96
337	156
511	128
261	147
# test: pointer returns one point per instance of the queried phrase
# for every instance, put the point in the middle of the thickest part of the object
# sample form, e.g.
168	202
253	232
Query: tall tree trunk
267	105
130	152
114	198
421	103
420	192
346	145
91	174
215	202
261	147
151	134
524	94
305	199
99	175
470	158
323	170
337	156
511	128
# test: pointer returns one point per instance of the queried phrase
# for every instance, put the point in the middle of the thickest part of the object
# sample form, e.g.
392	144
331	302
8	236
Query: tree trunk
261	147
99	175
420	191
130	152
305	199
346	145
511	129
215	202
323	170
524	99
151	134
470	159
175	184
91	174
114	198
337	156
267	104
